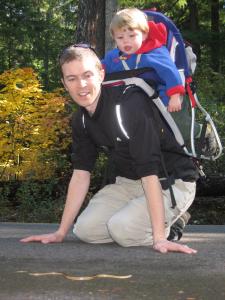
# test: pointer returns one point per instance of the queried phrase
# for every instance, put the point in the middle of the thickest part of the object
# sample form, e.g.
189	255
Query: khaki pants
118	213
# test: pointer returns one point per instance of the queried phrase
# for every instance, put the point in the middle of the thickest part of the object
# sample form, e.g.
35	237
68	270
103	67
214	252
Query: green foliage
211	94
210	86
162	6
38	202
33	32
97	177
5	204
32	200
206	211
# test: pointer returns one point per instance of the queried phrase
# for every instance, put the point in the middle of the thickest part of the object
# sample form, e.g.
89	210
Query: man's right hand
55	237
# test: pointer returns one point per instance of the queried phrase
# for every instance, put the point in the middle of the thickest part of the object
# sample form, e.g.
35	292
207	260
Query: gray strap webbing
125	65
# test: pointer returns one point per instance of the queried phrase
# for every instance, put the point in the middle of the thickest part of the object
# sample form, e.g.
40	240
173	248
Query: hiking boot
176	230
210	146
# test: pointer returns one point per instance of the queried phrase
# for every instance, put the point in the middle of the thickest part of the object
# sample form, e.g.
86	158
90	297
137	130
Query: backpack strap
157	101
125	65
169	180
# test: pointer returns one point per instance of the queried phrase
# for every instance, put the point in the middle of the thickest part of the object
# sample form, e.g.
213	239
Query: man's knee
119	231
83	229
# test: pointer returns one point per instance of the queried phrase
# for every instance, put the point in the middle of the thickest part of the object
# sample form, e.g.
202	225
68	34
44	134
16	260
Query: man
134	211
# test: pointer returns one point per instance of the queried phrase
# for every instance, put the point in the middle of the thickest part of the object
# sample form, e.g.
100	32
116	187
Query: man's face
82	79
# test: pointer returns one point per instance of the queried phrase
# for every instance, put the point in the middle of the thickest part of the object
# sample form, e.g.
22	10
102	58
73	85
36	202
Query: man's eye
71	79
88	75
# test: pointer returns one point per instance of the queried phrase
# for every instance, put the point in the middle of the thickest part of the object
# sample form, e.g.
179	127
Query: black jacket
148	137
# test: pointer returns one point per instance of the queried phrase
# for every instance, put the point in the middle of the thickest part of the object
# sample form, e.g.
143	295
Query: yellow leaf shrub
34	127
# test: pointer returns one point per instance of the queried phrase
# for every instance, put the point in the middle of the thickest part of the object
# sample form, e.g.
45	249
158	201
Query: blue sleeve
111	61
159	59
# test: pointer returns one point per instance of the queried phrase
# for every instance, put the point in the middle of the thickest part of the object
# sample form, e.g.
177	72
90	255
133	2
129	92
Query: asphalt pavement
55	271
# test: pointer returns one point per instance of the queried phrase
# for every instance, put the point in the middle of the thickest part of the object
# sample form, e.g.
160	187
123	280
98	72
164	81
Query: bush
5	204
33	201
7	200
211	94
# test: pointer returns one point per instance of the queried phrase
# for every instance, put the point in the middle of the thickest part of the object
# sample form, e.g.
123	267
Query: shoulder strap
125	65
169	179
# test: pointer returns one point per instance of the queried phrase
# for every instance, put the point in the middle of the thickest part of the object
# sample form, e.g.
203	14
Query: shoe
176	230
210	146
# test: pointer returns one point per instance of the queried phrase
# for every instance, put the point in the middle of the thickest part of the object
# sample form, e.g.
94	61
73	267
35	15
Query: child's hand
174	103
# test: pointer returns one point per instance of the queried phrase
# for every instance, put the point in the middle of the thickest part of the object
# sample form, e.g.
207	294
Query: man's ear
102	74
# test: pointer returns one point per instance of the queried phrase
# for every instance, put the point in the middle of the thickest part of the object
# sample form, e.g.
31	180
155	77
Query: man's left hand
165	246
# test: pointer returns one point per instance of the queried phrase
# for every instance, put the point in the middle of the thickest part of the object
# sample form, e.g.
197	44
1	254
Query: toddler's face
129	40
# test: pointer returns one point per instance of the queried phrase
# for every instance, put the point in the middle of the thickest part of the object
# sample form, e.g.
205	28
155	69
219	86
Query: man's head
79	52
129	28
82	75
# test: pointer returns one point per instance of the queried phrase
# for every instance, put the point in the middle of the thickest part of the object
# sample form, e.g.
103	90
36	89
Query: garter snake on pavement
78	278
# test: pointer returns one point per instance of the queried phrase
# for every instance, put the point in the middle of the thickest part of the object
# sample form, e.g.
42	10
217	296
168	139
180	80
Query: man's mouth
83	94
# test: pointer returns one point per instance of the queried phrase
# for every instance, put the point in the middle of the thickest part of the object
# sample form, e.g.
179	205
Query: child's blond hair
133	18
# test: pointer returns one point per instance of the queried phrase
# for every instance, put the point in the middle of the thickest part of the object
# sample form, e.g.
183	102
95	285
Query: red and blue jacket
155	55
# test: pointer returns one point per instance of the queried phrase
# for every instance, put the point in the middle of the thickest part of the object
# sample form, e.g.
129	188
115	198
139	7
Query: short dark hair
78	52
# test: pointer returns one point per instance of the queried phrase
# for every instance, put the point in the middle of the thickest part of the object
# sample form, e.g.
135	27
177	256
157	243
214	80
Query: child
142	44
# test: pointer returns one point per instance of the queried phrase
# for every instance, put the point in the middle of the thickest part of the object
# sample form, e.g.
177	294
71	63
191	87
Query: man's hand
55	237
174	103
165	246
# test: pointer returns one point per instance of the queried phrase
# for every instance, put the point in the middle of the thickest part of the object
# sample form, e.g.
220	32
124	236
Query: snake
78	278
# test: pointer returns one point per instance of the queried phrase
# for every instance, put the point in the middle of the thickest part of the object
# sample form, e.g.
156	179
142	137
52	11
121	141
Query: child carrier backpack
200	141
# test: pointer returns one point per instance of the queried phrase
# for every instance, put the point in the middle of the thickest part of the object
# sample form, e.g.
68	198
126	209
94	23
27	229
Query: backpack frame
185	60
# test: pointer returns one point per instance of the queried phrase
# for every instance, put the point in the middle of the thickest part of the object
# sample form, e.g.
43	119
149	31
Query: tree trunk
215	39
194	23
91	24
46	52
110	10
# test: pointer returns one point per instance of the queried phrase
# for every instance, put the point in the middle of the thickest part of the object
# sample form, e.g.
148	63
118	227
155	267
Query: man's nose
82	82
